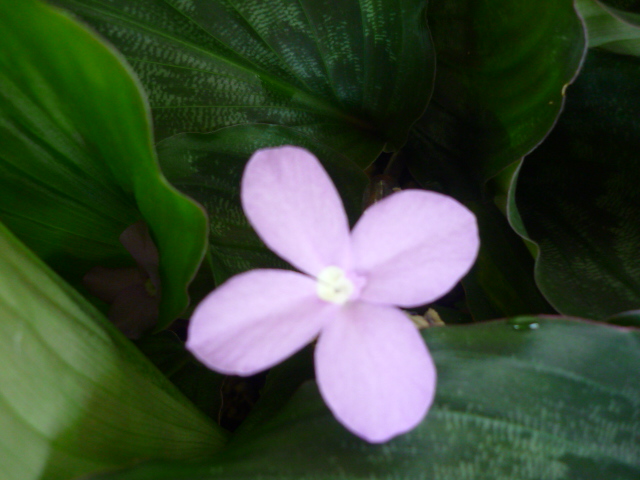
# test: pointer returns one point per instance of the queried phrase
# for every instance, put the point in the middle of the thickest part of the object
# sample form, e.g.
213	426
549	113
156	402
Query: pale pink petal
413	247
374	371
255	320
294	207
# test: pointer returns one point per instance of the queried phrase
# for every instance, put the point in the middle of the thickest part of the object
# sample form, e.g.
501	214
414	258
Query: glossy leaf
77	164
502	67
577	195
76	396
355	76
208	167
528	399
606	30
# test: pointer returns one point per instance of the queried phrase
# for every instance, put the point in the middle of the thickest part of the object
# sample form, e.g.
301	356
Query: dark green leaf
608	31
529	399
281	384
626	319
501	282
502	67
75	396
622	6
77	164
577	195
199	384
208	167
354	76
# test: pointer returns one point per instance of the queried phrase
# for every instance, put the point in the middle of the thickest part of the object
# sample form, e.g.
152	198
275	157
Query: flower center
334	286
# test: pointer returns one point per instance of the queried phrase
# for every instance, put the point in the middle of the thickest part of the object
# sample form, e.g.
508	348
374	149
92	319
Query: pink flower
372	367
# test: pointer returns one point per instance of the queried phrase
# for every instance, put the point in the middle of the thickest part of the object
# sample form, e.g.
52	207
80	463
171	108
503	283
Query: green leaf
75	396
502	67
528	399
577	195
77	164
354	77
606	30
208	168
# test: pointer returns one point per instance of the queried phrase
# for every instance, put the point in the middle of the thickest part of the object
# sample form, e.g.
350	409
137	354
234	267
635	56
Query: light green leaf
529	399
76	396
577	195
208	168
354	76
77	164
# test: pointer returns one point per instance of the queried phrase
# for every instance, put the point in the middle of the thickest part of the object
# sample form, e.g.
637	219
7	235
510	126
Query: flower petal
374	371
294	207
413	247
255	320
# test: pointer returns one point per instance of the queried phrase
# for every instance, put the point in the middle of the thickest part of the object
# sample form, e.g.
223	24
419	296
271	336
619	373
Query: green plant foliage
208	168
501	283
75	395
608	31
355	77
199	384
114	112
501	71
577	195
626	319
77	164
524	399
622	6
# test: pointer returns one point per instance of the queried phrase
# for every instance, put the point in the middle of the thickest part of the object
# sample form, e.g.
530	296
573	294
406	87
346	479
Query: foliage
114	112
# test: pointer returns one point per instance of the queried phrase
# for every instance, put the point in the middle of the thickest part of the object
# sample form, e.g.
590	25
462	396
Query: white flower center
334	286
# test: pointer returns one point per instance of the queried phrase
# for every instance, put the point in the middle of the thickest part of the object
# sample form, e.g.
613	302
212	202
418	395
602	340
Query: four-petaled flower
372	366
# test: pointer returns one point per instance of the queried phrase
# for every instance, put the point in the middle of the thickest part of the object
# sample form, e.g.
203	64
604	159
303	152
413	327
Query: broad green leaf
76	397
608	31
502	67
577	195
77	164
208	168
534	398
354	75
